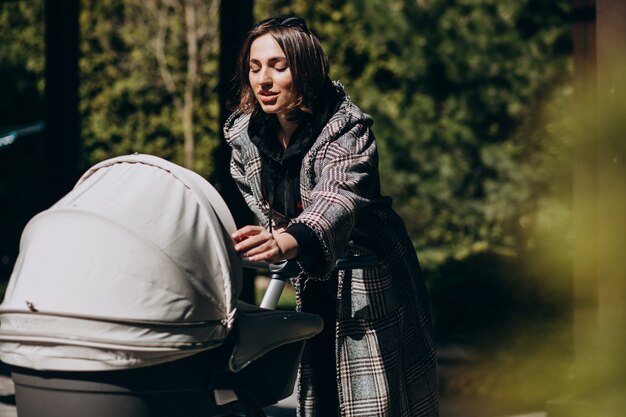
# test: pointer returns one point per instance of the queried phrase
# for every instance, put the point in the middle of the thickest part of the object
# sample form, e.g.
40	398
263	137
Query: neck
286	130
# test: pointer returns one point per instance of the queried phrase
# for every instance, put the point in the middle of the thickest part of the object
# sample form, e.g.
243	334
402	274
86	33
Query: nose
265	77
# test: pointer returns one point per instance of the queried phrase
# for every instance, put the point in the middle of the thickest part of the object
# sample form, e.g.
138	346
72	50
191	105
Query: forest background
470	100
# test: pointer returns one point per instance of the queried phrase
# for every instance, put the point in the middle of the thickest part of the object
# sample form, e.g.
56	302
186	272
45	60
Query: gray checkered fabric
385	353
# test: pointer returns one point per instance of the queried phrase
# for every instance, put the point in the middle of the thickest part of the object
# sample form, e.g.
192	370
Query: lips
267	97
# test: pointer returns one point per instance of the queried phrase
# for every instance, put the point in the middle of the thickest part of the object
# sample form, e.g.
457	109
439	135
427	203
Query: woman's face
269	75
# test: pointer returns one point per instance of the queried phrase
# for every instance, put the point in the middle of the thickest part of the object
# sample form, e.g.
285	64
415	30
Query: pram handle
280	272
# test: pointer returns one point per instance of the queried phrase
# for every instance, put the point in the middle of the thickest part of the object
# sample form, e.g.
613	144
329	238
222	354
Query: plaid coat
385	353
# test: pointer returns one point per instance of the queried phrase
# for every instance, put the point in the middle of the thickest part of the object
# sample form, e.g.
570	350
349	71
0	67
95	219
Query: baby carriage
124	302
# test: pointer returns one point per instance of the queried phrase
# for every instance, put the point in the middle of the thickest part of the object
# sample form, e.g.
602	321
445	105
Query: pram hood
133	267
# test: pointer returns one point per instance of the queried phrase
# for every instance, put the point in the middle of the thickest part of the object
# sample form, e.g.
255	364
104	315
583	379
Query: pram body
124	302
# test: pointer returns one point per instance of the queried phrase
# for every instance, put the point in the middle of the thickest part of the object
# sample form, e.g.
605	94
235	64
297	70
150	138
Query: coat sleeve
238	173
347	180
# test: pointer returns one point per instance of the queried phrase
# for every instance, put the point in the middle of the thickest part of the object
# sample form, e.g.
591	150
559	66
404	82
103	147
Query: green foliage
460	92
21	63
125	105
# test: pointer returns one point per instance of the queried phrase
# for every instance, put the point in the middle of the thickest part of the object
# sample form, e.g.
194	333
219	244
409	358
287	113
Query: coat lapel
253	175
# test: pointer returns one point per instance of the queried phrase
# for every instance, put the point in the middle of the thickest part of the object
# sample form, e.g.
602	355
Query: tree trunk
63	148
235	21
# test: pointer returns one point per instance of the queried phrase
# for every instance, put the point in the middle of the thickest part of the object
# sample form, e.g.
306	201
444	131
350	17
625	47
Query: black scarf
281	167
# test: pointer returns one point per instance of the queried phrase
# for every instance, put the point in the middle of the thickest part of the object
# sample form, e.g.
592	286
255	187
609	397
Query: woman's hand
257	244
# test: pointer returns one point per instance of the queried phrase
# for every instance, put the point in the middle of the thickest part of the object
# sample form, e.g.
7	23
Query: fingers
253	241
247	231
259	248
256	243
280	247
269	253
263	251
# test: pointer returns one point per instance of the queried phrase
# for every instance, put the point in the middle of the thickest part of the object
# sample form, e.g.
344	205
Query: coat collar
236	135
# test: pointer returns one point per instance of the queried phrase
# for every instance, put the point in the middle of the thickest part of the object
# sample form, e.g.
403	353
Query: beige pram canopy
133	267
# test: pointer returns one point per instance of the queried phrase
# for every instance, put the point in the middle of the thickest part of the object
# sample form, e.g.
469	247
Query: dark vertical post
62	142
236	19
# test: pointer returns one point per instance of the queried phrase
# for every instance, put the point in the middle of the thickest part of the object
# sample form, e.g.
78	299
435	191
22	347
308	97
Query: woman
305	160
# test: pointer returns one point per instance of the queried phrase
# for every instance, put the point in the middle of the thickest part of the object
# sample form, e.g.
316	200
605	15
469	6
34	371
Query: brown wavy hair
306	58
